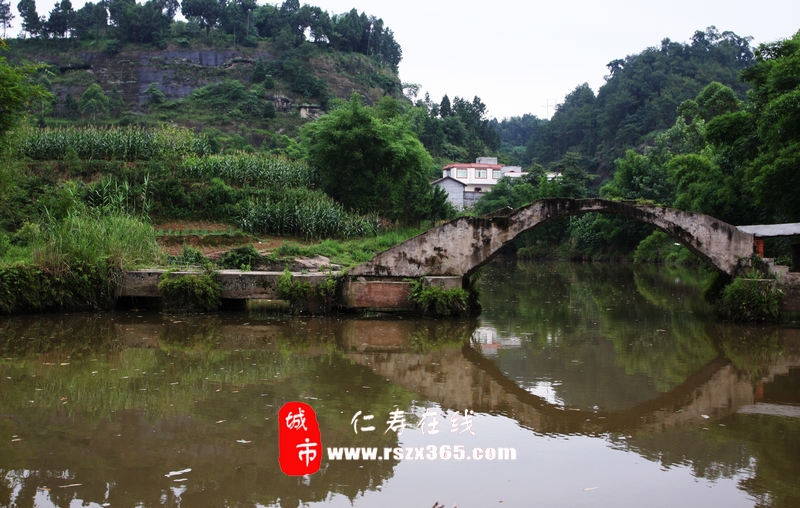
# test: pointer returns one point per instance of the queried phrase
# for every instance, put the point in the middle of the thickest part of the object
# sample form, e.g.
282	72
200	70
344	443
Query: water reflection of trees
116	419
555	308
762	449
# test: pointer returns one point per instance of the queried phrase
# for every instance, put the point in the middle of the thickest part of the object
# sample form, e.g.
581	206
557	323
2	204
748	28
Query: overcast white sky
517	56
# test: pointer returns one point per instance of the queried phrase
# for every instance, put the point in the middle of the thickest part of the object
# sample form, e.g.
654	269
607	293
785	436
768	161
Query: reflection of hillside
132	450
763	447
116	419
670	287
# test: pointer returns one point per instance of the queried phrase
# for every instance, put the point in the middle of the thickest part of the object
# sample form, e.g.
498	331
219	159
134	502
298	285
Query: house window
480	173
496	174
478	189
461	173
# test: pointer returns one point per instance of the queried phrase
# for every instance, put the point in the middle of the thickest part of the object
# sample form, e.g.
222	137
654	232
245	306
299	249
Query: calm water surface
614	385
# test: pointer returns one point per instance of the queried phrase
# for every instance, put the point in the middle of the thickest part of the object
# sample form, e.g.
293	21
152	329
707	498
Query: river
578	385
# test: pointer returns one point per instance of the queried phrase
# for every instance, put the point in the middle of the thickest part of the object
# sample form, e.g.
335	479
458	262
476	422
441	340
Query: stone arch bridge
461	246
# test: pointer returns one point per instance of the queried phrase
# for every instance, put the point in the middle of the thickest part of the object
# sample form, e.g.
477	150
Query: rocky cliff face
176	72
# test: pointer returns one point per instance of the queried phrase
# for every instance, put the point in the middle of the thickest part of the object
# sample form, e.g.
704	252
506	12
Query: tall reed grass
76	263
112	143
248	169
112	240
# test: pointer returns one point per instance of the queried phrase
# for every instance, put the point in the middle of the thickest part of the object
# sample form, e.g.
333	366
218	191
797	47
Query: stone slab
376	294
236	284
772	230
791	288
771	410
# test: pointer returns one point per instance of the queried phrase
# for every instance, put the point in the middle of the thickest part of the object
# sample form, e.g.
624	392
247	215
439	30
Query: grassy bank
74	263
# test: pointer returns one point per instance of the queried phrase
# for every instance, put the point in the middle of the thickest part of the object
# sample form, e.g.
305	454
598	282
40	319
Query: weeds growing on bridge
191	293
753	296
438	302
300	293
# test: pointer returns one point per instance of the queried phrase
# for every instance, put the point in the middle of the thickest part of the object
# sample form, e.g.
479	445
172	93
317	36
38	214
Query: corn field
113	197
254	170
318	217
114	143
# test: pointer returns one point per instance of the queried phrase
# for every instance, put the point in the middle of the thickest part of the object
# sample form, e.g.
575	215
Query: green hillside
246	76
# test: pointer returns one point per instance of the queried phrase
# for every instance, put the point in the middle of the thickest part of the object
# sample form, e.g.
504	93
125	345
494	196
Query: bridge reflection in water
461	378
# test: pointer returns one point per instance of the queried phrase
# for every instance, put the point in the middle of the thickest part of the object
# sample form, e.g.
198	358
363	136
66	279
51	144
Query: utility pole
548	106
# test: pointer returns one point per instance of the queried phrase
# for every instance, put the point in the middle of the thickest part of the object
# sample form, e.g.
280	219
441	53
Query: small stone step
779	269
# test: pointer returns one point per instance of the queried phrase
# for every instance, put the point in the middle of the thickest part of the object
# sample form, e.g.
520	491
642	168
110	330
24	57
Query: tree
716	99
440	205
31	22
773	172
444	108
60	20
5	15
94	101
71	105
235	19
640	177
17	91
573	175
207	11
363	159
90	21
154	94
259	71
116	104
145	23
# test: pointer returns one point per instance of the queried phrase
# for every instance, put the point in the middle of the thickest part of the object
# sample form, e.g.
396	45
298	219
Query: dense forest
153	22
708	126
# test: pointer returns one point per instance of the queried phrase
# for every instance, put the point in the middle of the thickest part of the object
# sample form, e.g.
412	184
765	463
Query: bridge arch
461	246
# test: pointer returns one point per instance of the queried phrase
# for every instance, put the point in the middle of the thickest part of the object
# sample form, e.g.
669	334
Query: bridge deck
388	294
236	284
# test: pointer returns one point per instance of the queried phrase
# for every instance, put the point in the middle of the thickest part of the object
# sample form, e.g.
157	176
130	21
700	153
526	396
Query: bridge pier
389	294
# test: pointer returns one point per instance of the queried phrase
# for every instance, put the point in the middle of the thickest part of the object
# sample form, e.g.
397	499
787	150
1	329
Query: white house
465	182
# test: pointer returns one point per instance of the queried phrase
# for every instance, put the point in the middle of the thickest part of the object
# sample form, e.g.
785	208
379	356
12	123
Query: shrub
113	46
95	239
154	94
191	293
245	255
751	298
30	288
76	262
294	291
190	256
435	301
